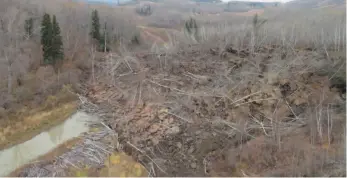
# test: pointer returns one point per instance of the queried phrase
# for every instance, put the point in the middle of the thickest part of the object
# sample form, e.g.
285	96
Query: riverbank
29	123
46	146
49	157
95	153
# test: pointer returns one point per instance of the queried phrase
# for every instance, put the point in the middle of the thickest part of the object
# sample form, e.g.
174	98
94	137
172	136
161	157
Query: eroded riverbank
43	143
94	153
29	124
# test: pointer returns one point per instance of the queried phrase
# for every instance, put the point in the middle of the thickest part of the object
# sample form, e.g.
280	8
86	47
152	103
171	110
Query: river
24	153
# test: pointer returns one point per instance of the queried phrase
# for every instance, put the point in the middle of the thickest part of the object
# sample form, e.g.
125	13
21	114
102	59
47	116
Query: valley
172	88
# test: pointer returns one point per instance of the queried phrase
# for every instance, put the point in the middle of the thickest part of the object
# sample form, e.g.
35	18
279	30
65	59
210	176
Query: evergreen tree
95	29
28	26
46	39
192	28
57	42
135	39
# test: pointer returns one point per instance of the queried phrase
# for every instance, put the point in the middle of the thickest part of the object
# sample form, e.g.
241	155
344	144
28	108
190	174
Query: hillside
109	1
176	88
243	6
314	3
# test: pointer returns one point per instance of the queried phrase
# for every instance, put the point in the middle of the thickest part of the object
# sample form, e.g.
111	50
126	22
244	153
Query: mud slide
206	115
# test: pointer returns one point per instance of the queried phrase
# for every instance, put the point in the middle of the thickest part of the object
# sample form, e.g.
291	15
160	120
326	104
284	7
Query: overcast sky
222	0
259	0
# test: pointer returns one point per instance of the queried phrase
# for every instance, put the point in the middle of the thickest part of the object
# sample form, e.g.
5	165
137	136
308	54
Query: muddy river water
41	144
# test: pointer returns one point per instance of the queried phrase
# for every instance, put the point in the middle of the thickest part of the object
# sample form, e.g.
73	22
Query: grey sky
260	0
222	0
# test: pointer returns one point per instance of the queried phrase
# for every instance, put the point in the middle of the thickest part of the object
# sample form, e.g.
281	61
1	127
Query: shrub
192	29
83	64
23	93
339	81
145	10
3	112
136	39
337	75
51	101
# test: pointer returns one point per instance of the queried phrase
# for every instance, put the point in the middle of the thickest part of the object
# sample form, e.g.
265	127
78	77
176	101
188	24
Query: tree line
51	39
99	39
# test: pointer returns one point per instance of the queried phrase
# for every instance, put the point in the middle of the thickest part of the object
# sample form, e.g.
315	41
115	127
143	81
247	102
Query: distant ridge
110	1
314	3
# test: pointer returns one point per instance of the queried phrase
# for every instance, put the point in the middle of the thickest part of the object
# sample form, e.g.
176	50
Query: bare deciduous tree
10	37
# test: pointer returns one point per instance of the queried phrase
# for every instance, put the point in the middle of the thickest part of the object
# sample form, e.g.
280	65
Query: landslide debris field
197	113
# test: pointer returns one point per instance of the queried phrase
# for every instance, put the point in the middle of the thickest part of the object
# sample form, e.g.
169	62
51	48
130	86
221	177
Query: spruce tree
28	26
57	42
46	39
192	28
95	29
